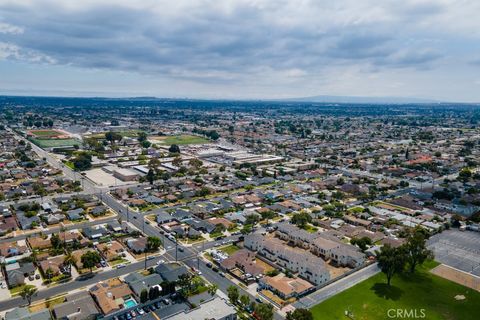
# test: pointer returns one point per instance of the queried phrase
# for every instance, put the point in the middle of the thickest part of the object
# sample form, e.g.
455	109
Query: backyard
372	298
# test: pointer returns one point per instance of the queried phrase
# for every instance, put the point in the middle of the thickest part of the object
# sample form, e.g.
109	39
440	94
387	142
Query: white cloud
279	46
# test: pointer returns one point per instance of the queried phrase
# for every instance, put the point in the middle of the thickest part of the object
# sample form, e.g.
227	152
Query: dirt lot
457	276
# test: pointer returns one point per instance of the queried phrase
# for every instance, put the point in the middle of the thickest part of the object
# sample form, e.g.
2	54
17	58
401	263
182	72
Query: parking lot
153	311
457	249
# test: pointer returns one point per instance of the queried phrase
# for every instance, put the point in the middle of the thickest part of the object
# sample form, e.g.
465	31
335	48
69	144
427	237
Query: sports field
372	299
183	139
46	133
55	143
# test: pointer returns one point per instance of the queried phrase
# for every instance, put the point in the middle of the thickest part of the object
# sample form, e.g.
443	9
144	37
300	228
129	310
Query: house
110	250
55	264
114	226
321	244
111	295
98	211
95	232
54	218
38	242
286	287
27	222
170	271
16	273
217	309
75	214
78	306
245	261
10	249
23	313
137	245
162	217
139	282
306	264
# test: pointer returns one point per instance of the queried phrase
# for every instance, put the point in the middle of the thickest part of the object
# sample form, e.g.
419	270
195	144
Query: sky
256	49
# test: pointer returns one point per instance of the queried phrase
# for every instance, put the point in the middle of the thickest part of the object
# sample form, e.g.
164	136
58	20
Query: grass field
46	133
183	139
372	298
55	143
124	133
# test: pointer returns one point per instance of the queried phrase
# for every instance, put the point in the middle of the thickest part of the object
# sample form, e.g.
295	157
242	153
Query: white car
160	261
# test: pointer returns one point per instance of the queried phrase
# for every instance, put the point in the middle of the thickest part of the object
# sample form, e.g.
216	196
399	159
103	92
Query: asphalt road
77	284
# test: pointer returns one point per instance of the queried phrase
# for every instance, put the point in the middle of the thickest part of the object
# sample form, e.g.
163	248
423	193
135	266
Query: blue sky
241	49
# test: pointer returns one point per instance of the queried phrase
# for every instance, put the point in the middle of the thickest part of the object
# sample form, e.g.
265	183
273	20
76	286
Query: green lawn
372	298
230	249
55	143
16	290
183	139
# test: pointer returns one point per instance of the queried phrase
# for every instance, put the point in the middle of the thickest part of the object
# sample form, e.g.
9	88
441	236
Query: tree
233	294
142	136
391	261
28	292
90	259
144	296
146	144
196	163
49	273
113	137
212	289
416	251
174	149
83	161
184	282
151	176
177	162
153	244
264	311
55	241
69	261
362	243
153	293
300	314
244	300
301	219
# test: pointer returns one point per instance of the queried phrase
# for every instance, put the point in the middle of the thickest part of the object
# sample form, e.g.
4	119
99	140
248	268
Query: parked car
215	269
121	265
140	311
209	265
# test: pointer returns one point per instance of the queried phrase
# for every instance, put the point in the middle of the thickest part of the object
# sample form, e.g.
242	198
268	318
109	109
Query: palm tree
28	292
105	251
69	261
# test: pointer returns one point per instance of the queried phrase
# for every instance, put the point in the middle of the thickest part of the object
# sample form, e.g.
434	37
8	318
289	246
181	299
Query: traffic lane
76	284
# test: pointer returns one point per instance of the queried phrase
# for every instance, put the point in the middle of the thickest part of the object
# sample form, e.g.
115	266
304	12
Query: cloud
8	28
237	42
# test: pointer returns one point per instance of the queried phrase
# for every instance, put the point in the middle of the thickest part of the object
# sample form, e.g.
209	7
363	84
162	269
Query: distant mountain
355	99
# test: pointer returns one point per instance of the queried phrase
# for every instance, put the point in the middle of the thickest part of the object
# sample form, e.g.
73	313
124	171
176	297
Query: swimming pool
129	303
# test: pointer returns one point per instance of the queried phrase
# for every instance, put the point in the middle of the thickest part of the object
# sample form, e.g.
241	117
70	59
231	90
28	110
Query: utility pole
176	251
128	217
